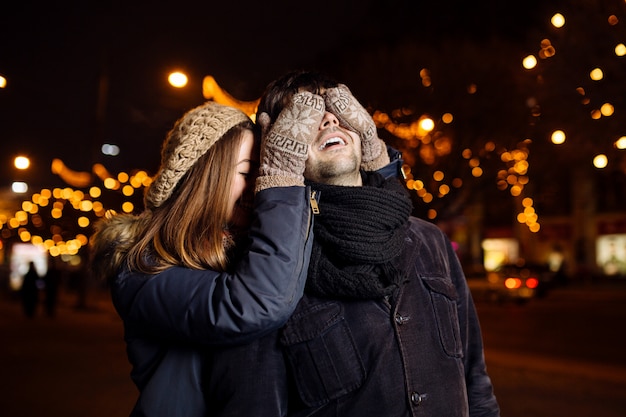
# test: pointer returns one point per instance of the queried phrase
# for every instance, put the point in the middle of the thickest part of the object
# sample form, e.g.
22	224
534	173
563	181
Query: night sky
56	60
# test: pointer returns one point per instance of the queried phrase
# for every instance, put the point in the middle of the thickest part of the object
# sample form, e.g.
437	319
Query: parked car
511	282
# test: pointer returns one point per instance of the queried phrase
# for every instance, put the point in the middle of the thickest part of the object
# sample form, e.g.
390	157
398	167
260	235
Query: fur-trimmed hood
114	237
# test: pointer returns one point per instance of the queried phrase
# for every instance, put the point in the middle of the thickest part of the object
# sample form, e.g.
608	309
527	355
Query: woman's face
242	191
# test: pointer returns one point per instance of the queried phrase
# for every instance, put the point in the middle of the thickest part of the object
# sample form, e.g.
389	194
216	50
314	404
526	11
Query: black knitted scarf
359	235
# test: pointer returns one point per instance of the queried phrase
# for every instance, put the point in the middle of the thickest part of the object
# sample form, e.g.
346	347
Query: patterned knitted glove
285	145
351	115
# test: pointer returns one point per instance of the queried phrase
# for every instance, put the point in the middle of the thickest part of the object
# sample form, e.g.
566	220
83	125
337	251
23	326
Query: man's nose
329	120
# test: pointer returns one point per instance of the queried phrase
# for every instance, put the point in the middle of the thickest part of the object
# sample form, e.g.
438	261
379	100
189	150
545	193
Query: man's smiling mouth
332	141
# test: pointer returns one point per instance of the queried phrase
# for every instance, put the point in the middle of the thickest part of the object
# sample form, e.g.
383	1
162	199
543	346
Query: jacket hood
110	244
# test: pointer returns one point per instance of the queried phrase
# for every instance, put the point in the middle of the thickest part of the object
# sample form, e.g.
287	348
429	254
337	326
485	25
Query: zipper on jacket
314	206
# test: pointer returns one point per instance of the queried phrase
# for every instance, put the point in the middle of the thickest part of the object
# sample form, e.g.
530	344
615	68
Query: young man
387	326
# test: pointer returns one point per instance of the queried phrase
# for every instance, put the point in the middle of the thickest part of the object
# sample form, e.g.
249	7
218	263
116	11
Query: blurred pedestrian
51	289
29	291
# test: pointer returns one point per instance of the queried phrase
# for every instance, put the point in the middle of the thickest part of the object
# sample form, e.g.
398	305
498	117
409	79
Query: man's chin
333	172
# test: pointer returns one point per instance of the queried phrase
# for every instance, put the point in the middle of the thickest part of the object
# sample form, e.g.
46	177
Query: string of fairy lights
53	205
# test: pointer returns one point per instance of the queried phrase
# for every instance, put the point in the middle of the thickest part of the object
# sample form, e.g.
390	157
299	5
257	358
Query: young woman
216	258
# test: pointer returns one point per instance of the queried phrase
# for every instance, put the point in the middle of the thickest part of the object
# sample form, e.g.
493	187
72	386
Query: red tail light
532	283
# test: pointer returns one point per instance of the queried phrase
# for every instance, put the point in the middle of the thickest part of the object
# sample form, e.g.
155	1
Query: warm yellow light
607	109
426	124
521	167
529	62
600	161
177	79
111	183
511	179
67	193
95	192
620	50
438	175
21	162
77	195
558	20
82	239
447	118
122	177
25	236
83	221
558	137
86	205
3	82
128	207
128	190
621	143
21	216
596	74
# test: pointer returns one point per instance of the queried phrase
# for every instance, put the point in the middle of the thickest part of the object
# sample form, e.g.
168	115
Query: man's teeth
332	141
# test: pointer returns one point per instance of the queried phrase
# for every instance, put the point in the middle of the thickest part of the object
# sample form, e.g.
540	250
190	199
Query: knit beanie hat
190	138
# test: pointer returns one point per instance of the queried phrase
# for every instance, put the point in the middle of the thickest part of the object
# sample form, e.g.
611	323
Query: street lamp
177	79
21	162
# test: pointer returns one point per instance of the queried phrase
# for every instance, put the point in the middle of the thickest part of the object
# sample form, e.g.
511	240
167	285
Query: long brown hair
188	229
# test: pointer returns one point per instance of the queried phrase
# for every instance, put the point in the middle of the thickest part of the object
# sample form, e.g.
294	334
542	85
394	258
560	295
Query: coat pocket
443	296
322	354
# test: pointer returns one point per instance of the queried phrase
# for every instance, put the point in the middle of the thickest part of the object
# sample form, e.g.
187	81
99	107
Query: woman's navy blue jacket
170	318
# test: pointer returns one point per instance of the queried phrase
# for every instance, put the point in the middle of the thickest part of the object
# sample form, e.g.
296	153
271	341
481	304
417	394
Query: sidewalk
75	365
71	365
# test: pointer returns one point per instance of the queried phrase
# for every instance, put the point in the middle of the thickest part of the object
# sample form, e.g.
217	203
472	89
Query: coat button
401	319
416	398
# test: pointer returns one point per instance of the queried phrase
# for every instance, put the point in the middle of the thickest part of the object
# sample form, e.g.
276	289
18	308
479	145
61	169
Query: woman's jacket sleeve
210	307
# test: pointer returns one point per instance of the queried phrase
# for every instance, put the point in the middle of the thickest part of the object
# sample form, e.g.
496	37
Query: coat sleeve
482	401
208	307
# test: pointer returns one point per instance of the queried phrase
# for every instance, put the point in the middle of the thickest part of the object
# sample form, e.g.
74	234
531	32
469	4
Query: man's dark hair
279	92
